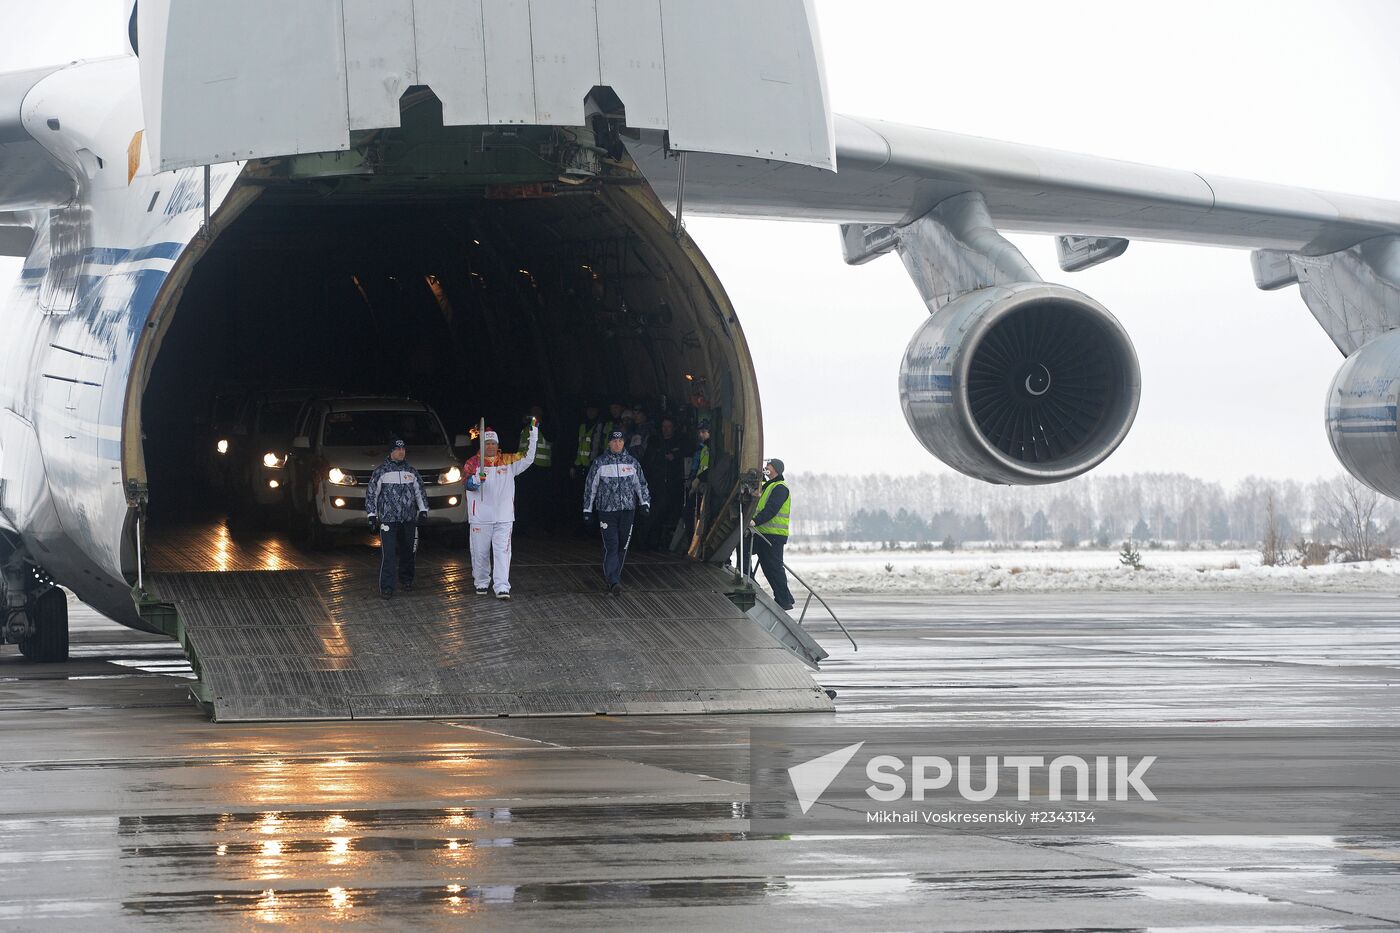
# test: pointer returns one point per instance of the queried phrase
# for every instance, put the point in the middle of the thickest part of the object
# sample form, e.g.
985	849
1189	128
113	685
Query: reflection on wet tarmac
135	811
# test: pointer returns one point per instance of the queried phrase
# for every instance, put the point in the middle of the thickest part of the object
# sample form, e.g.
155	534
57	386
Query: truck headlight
453	475
221	446
339	477
272	461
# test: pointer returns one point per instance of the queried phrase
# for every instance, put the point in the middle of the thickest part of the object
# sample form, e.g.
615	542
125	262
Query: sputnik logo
811	778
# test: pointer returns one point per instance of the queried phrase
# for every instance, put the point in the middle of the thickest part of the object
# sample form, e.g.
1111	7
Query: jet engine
1021	384
1361	422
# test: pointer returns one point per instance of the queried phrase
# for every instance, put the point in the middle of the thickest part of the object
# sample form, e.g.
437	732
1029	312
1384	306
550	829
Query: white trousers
491	539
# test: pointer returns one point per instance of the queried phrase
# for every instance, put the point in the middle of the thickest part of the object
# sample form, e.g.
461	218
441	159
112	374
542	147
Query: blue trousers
616	529
397	549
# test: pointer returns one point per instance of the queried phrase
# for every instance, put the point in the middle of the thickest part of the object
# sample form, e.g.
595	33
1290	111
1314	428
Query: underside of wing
891	173
30	176
1016	380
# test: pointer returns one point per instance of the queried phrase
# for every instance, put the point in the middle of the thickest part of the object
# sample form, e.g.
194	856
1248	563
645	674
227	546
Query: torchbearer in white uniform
491	509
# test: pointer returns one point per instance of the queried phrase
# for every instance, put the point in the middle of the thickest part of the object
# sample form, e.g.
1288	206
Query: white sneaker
505	596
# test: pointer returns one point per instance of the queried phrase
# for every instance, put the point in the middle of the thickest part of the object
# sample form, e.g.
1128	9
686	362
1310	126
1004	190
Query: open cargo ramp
318	642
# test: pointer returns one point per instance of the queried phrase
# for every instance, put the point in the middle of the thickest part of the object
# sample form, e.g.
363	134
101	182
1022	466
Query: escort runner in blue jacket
615	486
394	502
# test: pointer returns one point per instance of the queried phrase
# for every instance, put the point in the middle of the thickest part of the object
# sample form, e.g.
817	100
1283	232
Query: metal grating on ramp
319	643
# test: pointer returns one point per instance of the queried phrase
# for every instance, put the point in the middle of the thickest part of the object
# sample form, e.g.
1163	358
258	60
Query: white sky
1234	379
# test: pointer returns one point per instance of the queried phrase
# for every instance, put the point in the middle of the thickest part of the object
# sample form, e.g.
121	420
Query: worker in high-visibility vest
544	450
700	460
769	528
538	505
697	475
590	444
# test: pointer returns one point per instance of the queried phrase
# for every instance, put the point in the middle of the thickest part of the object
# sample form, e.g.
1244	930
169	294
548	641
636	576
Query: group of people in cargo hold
607	471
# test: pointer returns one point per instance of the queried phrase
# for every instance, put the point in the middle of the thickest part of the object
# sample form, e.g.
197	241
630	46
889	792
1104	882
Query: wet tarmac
122	807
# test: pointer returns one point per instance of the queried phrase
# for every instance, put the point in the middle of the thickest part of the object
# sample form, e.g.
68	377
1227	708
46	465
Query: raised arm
523	464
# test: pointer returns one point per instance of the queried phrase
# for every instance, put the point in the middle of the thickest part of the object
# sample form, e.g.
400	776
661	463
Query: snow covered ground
975	571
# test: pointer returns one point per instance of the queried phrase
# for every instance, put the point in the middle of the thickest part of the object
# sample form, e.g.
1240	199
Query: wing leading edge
1342	250
891	173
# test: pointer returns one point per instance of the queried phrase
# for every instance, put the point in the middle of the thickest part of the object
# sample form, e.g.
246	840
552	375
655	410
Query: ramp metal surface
320	643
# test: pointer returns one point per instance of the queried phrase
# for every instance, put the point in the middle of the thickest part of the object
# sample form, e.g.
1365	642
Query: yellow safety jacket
779	524
543	449
585	445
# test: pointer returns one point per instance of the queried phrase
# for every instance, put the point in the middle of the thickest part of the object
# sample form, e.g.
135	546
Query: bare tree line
1274	515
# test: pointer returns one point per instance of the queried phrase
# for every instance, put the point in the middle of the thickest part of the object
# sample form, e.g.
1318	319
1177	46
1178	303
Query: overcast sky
1234	379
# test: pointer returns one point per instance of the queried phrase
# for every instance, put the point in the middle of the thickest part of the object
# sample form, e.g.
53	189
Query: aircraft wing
890	173
1342	250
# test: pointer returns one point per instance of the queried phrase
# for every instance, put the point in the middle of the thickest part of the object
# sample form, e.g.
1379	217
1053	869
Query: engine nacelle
1361	421
1023	384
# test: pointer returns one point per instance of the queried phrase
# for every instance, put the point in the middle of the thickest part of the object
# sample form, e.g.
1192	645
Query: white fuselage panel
259	79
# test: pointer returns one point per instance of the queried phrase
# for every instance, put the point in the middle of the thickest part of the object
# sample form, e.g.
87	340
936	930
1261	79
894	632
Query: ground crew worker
491	510
700	460
590	443
617	488
544	450
769	529
539	485
699	472
395	502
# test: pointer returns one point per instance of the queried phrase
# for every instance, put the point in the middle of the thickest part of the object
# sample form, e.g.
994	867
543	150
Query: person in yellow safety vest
699	468
544	450
700	460
590	434
770	526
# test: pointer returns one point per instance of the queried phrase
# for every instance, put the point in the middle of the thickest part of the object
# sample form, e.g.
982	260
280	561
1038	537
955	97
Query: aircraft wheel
49	643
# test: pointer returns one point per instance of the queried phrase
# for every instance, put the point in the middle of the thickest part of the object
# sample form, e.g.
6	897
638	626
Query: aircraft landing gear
47	642
36	615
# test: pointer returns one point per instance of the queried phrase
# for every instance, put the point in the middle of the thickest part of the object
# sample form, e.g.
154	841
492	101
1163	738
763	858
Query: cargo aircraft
494	192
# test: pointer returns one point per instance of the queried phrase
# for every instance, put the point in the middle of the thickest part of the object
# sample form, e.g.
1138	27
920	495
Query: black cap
398	444
616	436
704	425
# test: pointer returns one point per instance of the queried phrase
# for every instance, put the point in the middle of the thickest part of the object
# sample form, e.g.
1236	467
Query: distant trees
1104	510
1350	508
1271	544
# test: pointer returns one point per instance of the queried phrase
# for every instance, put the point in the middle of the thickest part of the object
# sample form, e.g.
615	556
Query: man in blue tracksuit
616	487
395	502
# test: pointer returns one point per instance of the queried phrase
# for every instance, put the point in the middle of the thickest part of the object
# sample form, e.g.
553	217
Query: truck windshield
381	428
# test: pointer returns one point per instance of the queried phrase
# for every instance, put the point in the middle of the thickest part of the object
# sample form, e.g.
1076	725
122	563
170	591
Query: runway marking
601	750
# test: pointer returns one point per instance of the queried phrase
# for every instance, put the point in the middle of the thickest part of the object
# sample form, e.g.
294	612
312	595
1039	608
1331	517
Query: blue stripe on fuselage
112	255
